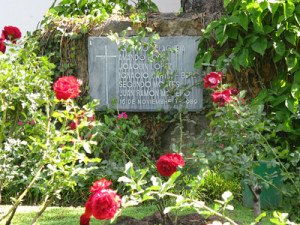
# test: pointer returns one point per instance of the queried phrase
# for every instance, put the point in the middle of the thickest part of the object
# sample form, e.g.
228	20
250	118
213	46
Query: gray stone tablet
131	77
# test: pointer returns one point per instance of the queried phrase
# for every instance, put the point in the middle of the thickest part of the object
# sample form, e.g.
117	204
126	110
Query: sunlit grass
71	215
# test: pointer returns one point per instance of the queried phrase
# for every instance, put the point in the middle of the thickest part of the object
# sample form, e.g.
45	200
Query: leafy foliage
257	43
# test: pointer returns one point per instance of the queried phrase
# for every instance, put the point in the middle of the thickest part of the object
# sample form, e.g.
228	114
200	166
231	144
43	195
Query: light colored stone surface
131	77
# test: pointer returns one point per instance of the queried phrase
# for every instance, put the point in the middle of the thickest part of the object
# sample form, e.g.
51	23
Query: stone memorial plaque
132	79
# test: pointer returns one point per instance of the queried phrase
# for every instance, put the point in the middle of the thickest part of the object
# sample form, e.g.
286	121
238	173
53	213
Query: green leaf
57	114
129	48
263	5
277	58
297	18
231	32
226	2
279	30
156	36
207	57
243	57
220	33
153	6
235	64
297	9
290	37
291	104
279	47
280	99
258	26
81	3
291	61
295	91
249	39
288	9
198	61
273	8
211	26
174	177
268	29
257	219
297	78
260	45
260	98
128	168
59	8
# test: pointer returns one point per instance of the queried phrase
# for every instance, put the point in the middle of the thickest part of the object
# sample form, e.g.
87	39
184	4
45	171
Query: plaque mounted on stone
132	78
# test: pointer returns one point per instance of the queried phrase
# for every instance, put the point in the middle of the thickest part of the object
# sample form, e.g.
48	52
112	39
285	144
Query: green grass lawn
71	215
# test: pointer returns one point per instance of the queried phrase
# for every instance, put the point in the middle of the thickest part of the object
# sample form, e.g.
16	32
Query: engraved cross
106	56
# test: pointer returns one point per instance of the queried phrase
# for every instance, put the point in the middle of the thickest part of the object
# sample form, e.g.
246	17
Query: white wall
168	5
26	14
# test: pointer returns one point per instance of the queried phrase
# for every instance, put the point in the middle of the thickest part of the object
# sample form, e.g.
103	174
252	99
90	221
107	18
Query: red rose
11	33
176	158
2	45
66	87
222	97
212	80
234	91
105	204
73	125
99	185
84	220
165	166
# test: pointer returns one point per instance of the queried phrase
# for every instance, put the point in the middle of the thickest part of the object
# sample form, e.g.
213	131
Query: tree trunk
256	191
201	6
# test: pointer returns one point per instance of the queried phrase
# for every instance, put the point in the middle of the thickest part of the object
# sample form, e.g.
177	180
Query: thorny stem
43	208
40	168
2	126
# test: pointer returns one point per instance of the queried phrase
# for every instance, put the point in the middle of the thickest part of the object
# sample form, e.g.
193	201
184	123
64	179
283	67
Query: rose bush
66	87
238	139
40	153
